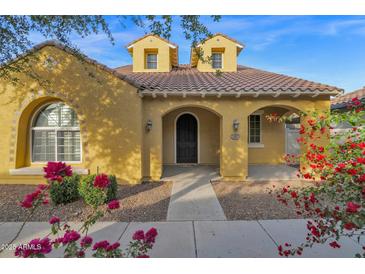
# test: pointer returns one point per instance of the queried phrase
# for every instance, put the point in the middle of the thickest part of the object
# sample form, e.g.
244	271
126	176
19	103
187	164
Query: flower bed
76	243
139	203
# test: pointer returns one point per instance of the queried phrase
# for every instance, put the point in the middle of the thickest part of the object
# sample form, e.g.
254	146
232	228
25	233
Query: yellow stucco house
133	120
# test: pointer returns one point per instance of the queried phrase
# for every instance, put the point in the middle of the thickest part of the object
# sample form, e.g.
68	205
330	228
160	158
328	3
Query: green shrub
112	189
95	196
66	191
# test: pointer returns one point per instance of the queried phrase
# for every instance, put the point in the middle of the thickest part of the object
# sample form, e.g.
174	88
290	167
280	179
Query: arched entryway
191	135
187	141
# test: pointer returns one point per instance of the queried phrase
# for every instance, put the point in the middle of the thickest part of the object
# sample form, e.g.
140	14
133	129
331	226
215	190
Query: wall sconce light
148	125
236	124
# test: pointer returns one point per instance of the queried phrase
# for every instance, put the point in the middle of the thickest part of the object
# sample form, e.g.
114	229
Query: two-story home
133	120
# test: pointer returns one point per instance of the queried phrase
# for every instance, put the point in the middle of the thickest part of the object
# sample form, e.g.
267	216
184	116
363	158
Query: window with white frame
254	132
217	60
151	60
56	134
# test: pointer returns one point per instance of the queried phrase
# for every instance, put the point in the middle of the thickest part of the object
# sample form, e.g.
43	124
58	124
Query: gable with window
56	134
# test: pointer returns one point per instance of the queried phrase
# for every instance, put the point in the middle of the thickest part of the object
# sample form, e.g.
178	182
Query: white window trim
221	53
256	144
147	61
31	128
25	171
175	135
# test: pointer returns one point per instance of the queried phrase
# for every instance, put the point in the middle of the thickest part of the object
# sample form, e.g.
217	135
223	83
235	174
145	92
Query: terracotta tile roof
185	79
246	80
342	100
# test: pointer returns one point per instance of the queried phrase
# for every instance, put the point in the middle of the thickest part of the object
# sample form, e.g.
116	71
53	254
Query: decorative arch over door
186	139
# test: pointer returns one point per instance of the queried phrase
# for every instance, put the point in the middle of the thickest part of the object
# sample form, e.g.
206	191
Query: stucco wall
108	108
163	54
208	134
234	154
273	139
113	117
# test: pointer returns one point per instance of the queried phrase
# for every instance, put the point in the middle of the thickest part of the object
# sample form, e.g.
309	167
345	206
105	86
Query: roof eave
237	94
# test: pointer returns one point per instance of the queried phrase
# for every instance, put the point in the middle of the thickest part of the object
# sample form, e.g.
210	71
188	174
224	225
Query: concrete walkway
193	197
272	173
190	239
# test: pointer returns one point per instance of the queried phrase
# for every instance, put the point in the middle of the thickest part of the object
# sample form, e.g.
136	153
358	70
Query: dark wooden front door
186	139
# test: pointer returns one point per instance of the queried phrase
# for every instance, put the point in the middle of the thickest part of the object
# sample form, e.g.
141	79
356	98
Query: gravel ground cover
252	201
142	203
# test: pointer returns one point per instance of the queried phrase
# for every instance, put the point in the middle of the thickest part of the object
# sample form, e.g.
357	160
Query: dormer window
151	62
217	58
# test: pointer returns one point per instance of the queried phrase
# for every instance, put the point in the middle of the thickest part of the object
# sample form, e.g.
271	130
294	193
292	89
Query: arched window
56	134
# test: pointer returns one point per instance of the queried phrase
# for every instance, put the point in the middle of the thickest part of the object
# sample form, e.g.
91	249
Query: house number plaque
235	136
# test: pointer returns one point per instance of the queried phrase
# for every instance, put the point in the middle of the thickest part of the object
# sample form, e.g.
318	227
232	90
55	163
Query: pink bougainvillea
114	204
38	196
148	237
55	171
54	220
76	242
86	241
138	235
101	245
35	248
151	235
335	202
101	181
70	236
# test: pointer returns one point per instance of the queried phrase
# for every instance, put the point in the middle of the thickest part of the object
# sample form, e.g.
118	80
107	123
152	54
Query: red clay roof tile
246	79
340	100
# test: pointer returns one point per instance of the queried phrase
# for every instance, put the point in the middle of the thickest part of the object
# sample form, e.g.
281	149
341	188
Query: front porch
232	135
282	172
256	172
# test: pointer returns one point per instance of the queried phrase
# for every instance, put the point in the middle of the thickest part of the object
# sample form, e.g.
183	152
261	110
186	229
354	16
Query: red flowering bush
37	197
105	250
101	181
142	243
76	242
63	184
99	189
335	203
55	171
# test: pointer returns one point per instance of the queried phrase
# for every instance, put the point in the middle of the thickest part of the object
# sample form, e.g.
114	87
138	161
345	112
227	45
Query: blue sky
326	49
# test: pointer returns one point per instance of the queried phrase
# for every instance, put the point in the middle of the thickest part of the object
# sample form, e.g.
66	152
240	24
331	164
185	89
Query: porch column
152	149
234	153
